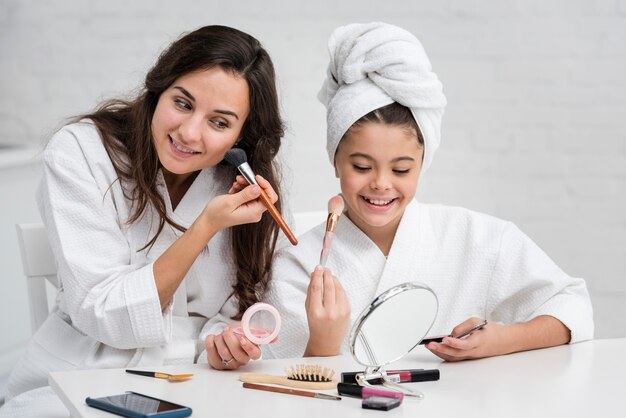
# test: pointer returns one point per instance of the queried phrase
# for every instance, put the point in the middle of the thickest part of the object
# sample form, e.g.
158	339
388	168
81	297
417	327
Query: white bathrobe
477	265
108	312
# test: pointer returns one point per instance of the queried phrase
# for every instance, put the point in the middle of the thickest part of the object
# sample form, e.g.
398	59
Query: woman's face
198	118
378	167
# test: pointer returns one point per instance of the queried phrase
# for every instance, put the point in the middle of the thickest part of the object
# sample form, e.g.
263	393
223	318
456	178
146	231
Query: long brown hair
125	128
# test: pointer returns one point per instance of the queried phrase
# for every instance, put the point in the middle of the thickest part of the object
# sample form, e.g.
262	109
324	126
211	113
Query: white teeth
182	149
378	202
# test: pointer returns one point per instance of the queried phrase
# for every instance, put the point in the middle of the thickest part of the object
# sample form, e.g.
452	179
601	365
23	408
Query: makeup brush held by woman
238	158
335	208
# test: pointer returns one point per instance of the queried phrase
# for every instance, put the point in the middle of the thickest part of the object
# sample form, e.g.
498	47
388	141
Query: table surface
579	380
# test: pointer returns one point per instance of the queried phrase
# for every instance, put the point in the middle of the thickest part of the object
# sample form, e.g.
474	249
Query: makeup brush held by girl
335	209
238	158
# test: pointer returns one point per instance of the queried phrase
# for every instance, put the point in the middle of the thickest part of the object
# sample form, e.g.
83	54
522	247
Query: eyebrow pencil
440	338
239	159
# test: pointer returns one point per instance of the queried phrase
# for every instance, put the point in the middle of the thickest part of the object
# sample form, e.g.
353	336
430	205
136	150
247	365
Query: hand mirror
389	328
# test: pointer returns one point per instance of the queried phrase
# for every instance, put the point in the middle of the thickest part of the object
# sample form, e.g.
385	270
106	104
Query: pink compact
260	323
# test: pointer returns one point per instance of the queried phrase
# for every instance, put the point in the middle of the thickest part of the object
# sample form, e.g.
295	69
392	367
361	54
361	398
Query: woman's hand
328	314
241	205
228	351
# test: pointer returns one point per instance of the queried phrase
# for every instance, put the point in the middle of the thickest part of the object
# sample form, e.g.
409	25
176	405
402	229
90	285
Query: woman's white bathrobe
109	313
477	265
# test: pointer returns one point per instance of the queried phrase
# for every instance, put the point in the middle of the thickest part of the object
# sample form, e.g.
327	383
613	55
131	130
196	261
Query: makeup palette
260	324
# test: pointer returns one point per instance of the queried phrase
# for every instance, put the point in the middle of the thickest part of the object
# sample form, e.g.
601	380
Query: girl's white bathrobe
477	265
108	312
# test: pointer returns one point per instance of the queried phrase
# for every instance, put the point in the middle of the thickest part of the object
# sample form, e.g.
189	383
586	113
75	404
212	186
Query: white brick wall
534	131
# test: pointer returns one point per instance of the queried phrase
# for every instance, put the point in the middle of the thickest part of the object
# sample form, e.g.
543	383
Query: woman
138	213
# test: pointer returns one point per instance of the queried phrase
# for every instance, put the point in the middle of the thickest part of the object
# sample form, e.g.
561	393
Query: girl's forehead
377	139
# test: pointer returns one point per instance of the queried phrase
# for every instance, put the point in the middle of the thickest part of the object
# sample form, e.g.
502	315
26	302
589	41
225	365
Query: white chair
39	266
307	220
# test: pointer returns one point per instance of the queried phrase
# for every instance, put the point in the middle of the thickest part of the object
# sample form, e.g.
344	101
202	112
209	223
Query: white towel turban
373	65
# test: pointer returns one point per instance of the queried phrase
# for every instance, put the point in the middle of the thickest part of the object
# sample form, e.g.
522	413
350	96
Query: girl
138	215
384	108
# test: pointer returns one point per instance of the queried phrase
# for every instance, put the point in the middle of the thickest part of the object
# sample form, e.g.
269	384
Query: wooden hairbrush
303	376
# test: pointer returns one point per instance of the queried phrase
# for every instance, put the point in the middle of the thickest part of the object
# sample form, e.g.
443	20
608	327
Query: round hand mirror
391	326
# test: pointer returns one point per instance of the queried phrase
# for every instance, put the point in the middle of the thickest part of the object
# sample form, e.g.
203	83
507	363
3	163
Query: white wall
533	132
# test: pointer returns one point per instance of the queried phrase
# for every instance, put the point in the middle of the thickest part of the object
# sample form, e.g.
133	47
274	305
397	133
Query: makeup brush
160	375
335	208
292	391
239	159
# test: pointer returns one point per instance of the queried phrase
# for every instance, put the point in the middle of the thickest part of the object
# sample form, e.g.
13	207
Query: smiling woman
198	119
143	226
195	122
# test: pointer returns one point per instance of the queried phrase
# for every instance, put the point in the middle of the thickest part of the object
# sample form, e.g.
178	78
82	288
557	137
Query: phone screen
137	405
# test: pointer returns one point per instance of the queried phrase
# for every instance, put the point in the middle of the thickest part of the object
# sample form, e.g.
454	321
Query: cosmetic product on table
335	209
303	376
380	403
159	375
397	376
354	390
291	391
239	159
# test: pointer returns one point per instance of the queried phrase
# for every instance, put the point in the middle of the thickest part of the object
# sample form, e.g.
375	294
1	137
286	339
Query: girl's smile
378	166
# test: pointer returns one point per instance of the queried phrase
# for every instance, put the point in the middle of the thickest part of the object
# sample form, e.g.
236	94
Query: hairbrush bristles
236	156
335	205
310	373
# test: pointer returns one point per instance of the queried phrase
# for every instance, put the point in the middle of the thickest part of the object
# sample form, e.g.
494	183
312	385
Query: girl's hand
240	206
491	340
328	314
228	351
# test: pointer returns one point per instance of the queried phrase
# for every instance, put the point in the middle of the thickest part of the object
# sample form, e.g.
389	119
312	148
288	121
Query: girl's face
198	118
378	166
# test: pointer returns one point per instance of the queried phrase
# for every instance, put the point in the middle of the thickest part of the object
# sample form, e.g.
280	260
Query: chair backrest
39	265
307	220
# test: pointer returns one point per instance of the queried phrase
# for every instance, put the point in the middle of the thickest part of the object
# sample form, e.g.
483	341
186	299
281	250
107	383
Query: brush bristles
236	156
335	205
310	373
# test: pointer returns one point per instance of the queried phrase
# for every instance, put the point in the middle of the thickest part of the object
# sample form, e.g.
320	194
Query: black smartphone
136	405
380	403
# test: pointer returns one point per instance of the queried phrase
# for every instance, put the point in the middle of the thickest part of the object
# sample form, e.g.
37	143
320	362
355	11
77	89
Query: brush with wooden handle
302	376
160	375
292	391
335	209
239	159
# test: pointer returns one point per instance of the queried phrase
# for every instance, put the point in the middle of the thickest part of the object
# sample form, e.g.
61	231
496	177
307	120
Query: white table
581	380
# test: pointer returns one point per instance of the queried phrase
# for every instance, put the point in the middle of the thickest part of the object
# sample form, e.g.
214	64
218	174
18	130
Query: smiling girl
384	109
